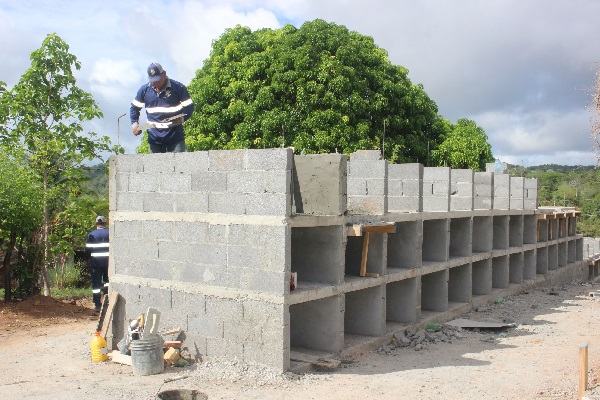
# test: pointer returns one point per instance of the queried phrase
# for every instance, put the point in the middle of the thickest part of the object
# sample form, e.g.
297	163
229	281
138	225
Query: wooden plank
365	253
583	369
112	302
354	230
387	228
359	229
118	357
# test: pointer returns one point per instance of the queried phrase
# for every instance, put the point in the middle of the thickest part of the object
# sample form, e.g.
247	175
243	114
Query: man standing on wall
168	105
96	248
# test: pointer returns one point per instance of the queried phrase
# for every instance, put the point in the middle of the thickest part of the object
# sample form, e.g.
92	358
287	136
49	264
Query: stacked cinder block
436	189
405	188
501	191
367	183
530	194
484	191
517	190
202	236
461	189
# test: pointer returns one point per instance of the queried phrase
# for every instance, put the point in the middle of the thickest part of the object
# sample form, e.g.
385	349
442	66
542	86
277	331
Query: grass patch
71	293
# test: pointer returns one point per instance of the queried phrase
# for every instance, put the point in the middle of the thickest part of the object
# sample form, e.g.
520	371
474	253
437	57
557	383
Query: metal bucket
147	355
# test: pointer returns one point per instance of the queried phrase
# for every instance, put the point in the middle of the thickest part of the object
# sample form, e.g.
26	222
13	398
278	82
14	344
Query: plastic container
98	348
147	355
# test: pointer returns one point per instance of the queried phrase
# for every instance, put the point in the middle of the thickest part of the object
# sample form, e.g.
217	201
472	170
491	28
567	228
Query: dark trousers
99	284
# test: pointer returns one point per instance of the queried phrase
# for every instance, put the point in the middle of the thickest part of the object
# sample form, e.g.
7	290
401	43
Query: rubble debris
420	339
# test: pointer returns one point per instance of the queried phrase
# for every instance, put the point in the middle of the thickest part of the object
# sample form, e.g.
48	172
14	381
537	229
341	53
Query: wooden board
361	229
112	302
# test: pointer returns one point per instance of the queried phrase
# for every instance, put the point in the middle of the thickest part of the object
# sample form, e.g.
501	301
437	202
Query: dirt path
538	359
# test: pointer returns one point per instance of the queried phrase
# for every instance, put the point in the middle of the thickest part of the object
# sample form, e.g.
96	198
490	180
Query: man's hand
135	128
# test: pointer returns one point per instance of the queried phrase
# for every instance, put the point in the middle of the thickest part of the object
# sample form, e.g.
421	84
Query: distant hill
568	185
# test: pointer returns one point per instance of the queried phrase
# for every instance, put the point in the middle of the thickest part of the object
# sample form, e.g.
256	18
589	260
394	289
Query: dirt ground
44	354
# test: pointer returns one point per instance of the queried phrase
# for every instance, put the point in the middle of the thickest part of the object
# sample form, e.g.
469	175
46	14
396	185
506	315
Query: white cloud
106	75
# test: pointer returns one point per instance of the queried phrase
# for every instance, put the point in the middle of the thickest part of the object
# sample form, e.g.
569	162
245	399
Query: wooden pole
583	369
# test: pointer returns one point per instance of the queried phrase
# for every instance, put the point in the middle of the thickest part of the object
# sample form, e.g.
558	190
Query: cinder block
376	187
404	204
126	230
143	249
394	187
191	232
121	182
241	331
129	201
224	309
436	174
190	162
267	204
278	181
161	202
208	182
269	159
159	162
174	251
175	183
226	203
436	204
357	187
411	171
246	181
126	163
369	205
208	326
412	188
226	160
461	203
211	254
143	182
367	169
366	155
158	230
486	178
196	202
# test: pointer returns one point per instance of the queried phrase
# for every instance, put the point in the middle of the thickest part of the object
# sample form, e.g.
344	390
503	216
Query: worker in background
96	248
164	100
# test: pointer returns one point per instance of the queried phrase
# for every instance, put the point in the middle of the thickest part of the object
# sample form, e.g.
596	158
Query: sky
523	70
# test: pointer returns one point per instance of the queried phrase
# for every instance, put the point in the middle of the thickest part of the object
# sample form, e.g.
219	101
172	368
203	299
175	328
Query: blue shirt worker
96	248
168	104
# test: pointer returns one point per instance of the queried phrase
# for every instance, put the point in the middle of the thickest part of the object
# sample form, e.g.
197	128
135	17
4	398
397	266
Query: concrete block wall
210	239
202	237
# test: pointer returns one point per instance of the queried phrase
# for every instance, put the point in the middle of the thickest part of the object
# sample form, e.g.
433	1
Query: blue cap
155	71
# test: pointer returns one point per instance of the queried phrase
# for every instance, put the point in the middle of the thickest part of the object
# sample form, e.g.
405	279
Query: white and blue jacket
173	100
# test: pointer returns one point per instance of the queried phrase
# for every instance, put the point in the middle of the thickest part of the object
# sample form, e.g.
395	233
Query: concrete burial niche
212	240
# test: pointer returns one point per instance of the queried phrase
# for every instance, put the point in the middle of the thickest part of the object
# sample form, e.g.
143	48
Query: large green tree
45	112
20	208
320	88
465	146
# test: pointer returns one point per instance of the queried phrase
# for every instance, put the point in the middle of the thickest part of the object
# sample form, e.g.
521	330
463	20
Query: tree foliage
320	88
465	146
43	119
